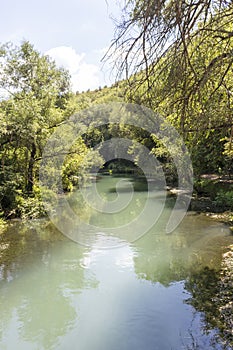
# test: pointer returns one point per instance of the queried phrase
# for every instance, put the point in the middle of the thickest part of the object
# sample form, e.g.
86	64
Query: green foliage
122	166
179	63
38	94
29	208
77	164
194	95
2	224
225	199
228	147
205	187
38	100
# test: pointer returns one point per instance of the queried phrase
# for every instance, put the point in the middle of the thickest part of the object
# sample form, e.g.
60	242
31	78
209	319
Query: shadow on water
205	288
192	254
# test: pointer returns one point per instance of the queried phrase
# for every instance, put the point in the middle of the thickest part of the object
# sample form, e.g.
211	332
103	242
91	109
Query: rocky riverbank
208	203
224	297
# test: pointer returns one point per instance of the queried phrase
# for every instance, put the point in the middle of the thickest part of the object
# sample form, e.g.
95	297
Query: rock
224	297
203	204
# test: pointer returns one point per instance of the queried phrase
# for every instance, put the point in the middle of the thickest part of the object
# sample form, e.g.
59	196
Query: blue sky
73	32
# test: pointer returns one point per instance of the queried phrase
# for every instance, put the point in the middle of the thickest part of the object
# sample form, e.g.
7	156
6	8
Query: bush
205	187
224	199
29	208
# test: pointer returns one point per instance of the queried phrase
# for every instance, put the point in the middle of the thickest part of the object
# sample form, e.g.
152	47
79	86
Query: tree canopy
177	57
36	100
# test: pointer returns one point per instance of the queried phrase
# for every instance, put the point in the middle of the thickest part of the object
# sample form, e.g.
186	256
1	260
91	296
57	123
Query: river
138	294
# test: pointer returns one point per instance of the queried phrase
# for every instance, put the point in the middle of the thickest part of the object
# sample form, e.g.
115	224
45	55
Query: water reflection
109	207
150	294
38	277
207	297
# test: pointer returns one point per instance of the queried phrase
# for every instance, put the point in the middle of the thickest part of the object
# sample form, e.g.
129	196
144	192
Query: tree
178	60
37	97
158	37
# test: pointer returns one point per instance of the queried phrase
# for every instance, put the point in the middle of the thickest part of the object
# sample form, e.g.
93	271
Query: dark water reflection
152	294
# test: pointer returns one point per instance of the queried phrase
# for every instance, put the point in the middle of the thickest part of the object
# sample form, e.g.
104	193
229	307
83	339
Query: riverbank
225	217
212	193
224	297
3	224
212	196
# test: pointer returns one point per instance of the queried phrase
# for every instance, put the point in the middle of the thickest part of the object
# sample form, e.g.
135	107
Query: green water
57	294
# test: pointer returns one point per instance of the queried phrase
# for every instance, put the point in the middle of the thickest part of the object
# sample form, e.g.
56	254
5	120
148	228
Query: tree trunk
30	171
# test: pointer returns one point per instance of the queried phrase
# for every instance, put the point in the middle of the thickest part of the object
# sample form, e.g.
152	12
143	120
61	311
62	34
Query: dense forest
178	60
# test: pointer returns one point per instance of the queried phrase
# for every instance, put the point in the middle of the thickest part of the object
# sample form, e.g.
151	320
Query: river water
58	294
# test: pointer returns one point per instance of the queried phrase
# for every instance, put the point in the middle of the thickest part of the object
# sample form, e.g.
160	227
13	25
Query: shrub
29	208
224	199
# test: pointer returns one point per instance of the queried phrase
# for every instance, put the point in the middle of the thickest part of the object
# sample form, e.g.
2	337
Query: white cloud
84	75
87	77
67	57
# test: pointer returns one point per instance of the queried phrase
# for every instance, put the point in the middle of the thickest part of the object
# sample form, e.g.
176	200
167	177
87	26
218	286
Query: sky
75	33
